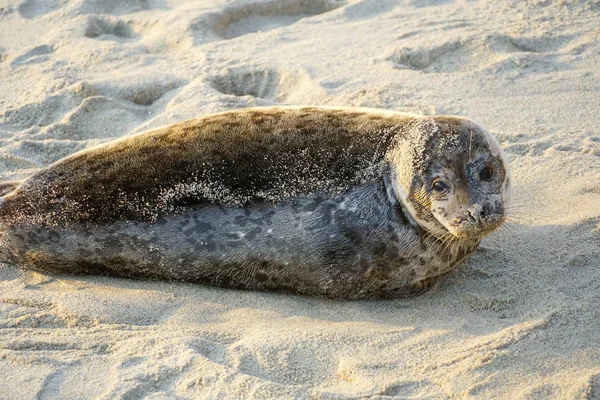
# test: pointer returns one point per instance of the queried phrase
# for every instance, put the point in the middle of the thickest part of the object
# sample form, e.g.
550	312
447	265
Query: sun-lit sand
520	319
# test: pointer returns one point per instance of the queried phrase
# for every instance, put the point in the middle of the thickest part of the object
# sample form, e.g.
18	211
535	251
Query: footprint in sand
265	83
147	94
262	17
30	9
241	20
119	7
47	111
261	83
87	122
97	26
276	362
585	143
534	147
38	54
475	53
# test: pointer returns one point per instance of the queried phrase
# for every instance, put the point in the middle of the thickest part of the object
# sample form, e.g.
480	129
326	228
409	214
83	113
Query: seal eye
486	174
439	187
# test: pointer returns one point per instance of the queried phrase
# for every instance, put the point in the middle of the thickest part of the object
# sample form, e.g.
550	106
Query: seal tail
7	187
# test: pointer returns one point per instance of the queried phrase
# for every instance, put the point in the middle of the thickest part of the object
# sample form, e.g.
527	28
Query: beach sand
519	320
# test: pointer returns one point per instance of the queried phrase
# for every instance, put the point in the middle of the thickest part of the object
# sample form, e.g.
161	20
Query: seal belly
311	245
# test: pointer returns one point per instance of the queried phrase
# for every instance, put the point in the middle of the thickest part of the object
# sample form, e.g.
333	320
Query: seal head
452	177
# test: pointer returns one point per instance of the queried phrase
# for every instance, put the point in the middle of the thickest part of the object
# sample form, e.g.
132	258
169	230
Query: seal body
341	203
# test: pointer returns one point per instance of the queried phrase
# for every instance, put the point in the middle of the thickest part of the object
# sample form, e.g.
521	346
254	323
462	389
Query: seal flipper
7	187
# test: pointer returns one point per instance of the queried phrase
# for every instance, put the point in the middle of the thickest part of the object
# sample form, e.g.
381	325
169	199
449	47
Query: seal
334	202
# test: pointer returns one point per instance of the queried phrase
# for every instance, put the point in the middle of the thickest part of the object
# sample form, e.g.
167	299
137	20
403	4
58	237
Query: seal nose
487	216
482	212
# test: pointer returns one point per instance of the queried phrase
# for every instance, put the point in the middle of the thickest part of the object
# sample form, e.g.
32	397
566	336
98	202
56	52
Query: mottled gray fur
369	239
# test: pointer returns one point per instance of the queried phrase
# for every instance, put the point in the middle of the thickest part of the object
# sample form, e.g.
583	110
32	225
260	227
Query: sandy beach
519	320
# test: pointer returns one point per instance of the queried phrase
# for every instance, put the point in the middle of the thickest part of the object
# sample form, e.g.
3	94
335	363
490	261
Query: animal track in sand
35	55
118	7
265	83
276	362
241	20
74	117
47	111
110	28
476	53
86	122
577	143
64	114
34	8
534	147
280	363
421	59
149	93
101	26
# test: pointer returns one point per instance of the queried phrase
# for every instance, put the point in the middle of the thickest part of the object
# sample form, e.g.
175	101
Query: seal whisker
520	219
513	227
448	238
506	233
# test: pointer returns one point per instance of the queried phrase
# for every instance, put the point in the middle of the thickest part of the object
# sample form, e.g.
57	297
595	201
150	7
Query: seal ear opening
7	187
388	185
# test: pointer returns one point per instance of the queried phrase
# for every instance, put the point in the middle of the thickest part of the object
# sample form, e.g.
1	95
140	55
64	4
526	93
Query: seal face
455	182
341	203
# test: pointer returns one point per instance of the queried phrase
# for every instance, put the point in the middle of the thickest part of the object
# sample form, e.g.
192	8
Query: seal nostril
471	217
477	212
487	211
